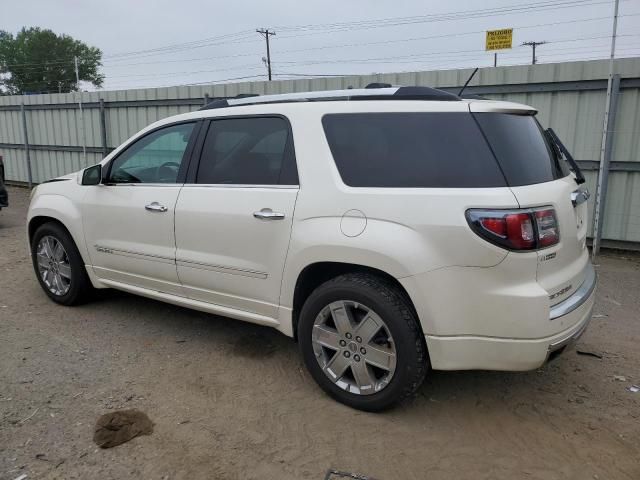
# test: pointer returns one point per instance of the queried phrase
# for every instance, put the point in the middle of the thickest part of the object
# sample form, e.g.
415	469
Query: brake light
518	229
547	226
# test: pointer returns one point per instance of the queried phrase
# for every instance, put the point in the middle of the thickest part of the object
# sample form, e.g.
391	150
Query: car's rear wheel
59	266
361	342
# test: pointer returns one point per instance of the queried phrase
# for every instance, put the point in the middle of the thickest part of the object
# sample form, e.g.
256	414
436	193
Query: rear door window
411	150
521	148
248	151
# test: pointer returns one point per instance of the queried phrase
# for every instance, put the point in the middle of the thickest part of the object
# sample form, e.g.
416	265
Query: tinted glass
248	151
521	148
411	150
155	158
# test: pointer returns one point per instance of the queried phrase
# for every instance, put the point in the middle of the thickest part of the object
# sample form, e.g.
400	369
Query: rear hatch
539	177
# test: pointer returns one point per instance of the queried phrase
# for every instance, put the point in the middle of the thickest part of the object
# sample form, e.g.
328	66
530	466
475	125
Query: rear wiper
560	146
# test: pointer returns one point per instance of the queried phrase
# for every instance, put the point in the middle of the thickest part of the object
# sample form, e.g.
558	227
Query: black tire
80	288
392	306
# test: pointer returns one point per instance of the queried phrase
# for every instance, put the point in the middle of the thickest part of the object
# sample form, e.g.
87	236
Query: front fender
63	210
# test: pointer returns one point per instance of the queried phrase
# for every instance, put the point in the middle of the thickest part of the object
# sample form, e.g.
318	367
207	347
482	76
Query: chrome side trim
142	185
240	185
580	296
132	254
221	268
182	262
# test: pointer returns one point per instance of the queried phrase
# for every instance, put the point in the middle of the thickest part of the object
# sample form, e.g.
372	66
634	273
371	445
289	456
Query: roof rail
378	85
376	93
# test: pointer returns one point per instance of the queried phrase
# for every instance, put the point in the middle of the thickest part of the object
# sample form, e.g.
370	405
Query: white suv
388	230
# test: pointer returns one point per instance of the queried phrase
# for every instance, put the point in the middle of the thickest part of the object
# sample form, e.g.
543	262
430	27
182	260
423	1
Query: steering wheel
167	172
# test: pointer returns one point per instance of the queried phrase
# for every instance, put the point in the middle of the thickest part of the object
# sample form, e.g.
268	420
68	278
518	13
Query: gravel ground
232	400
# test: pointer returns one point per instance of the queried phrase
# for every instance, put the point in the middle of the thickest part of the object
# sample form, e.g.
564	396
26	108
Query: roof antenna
467	82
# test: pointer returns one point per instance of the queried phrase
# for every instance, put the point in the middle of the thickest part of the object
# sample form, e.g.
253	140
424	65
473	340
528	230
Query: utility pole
533	45
605	147
84	135
266	33
495	59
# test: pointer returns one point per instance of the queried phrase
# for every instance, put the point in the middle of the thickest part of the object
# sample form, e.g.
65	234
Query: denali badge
548	256
103	249
560	292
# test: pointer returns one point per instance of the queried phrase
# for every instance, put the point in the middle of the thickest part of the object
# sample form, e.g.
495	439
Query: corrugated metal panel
622	211
626	147
577	116
15	164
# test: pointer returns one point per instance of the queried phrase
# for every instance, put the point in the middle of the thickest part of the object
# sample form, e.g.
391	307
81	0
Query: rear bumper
580	296
468	352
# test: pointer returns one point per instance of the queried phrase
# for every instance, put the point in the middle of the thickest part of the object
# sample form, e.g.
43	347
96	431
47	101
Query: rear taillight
518	229
547	227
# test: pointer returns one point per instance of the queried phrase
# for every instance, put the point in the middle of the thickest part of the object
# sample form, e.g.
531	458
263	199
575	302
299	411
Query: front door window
155	158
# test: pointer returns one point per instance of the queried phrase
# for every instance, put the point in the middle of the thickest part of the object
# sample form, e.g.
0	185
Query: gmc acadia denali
388	230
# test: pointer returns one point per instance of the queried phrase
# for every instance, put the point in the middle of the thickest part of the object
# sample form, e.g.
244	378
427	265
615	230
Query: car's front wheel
361	342
59	266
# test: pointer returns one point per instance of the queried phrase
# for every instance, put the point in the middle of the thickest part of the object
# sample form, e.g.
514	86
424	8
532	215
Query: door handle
579	196
268	214
155	207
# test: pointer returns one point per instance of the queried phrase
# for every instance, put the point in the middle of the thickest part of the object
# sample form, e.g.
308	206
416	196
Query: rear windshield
411	150
522	149
440	149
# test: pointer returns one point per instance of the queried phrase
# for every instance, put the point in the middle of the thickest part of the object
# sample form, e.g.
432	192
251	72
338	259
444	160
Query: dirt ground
232	400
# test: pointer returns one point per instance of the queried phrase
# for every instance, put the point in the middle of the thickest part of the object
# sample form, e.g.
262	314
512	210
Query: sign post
498	40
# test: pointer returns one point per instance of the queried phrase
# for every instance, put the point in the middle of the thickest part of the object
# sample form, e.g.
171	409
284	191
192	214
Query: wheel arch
57	208
39	220
315	274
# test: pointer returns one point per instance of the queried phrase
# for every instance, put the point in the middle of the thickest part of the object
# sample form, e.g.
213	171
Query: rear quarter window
520	146
411	150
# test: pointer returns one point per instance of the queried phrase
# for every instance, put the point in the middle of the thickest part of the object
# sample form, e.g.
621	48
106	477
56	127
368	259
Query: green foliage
37	60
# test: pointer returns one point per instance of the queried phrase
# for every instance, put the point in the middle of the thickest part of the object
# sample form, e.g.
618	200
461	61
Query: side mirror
92	175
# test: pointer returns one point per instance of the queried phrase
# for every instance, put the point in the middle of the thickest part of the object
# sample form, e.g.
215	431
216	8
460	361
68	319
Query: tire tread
398	302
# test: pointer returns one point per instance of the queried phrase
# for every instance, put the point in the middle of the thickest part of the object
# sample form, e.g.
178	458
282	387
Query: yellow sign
499	39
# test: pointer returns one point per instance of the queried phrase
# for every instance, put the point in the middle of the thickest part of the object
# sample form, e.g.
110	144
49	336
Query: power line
232	38
433	68
343	45
244	36
430	65
417	55
320	75
405	59
174	73
212	82
485	12
533	46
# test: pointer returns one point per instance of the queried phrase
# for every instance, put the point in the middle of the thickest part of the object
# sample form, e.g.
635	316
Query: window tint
155	158
411	150
248	151
521	148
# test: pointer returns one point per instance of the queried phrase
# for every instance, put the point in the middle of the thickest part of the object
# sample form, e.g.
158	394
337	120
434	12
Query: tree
38	60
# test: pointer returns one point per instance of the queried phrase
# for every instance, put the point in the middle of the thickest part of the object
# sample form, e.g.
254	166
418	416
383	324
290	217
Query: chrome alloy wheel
354	347
53	265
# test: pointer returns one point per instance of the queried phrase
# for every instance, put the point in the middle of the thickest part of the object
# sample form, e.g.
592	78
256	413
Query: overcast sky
321	38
